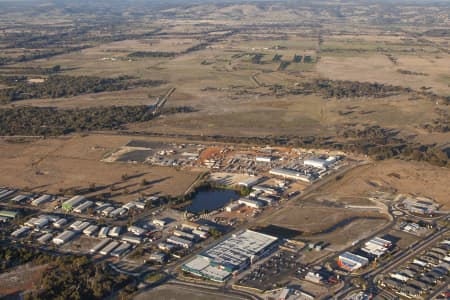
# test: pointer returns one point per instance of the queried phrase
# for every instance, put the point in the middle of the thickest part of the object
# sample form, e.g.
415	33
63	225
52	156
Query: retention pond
206	200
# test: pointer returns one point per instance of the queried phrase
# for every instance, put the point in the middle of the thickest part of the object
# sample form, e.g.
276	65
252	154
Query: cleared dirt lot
344	236
310	219
74	162
411	177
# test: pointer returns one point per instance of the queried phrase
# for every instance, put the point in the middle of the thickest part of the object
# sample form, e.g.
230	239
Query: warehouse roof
8	213
239	248
353	257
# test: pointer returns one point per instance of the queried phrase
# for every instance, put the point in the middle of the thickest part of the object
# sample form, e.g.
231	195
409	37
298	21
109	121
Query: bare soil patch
416	178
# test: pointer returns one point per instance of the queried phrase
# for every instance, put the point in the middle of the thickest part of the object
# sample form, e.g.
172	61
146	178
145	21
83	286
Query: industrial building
117	212
250	182
90	230
110	247
250	203
121	249
63	237
166	247
60	223
316	163
291	174
8	214
255	194
129	205
180	242
314	277
107	211
200	233
99	245
79	226
420	205
37	223
132	239
190	225
159	222
41	200
21	231
100	208
103	232
72	202
185	235
44	239
231	256
20	198
4	193
265	189
351	262
158	257
83	207
115	231
137	230
377	247
233	207
266	199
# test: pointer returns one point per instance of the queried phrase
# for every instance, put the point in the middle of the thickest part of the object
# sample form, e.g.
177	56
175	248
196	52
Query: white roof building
317	163
231	255
251	203
233	207
291	174
63	237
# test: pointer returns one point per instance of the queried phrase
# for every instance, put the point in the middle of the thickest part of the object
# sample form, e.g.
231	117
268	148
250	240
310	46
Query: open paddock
74	163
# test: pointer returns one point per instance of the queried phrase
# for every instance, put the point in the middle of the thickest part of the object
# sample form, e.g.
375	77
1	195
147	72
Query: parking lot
272	272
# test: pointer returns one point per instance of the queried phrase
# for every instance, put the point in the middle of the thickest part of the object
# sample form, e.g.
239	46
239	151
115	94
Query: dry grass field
231	93
314	219
344	236
337	226
378	68
74	162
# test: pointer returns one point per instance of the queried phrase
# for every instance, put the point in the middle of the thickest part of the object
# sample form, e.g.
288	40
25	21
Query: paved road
408	254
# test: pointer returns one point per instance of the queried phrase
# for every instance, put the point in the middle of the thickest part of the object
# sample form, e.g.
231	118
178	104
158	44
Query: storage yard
286	163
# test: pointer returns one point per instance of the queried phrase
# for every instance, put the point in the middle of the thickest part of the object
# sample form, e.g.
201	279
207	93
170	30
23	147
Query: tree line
347	89
143	54
56	86
51	121
38	54
75	277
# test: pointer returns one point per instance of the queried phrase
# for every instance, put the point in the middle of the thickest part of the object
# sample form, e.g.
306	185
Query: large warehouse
72	202
291	174
231	256
351	262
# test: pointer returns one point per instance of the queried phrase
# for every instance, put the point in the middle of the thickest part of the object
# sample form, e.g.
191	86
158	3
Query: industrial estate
217	232
224	150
